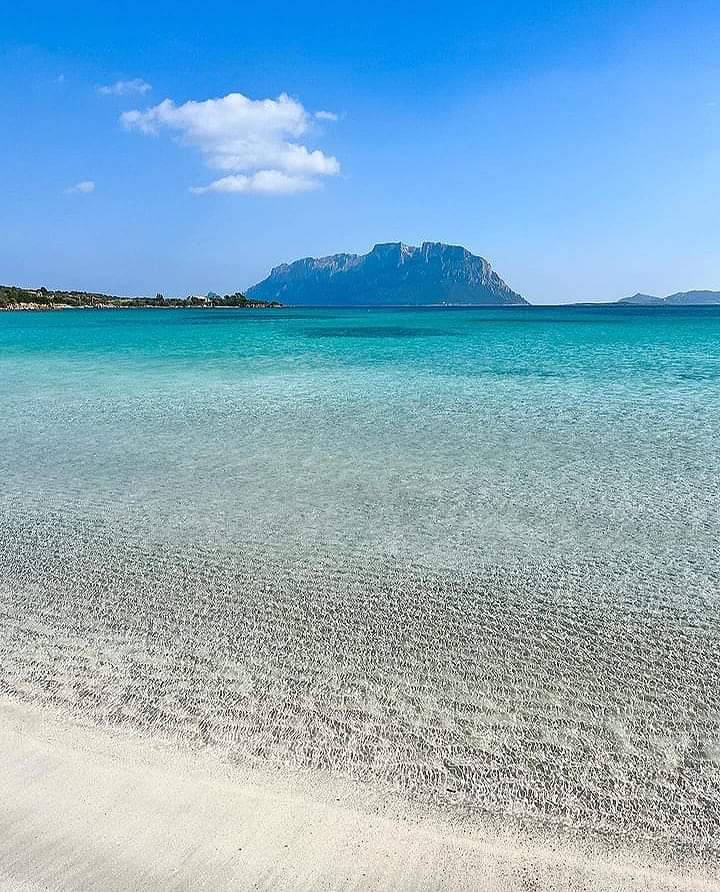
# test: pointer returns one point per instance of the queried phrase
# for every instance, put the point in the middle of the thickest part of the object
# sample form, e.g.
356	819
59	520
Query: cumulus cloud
125	88
82	188
263	181
254	141
326	116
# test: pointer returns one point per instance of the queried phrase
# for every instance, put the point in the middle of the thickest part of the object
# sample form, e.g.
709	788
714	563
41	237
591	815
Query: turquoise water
469	554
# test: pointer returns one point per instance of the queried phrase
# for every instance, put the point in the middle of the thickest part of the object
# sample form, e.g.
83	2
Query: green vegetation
13	298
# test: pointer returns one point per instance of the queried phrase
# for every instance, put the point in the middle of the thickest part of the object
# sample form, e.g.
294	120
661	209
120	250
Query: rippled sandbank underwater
468	555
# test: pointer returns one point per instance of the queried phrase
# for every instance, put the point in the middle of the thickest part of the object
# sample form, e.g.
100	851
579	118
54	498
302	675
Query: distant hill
641	300
679	299
391	274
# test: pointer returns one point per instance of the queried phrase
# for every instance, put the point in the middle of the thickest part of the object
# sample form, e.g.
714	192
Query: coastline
85	807
38	308
24	299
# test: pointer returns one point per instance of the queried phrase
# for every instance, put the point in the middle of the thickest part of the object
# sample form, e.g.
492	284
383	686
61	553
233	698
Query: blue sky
576	145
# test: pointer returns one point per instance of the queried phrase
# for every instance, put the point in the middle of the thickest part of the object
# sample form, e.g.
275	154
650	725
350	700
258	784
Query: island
391	274
679	299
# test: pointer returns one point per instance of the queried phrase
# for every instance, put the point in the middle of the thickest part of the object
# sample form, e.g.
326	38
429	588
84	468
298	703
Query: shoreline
85	807
47	308
13	298
44	308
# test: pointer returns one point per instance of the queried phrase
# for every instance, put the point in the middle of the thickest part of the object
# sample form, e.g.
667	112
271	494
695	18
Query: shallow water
469	554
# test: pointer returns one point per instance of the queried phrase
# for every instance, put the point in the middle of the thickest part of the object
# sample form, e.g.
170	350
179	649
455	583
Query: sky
184	147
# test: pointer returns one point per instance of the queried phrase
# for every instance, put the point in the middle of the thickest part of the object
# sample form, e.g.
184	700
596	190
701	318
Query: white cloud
254	140
83	187
326	116
268	182
124	88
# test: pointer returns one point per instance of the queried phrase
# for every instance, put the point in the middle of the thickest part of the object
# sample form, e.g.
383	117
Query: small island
14	298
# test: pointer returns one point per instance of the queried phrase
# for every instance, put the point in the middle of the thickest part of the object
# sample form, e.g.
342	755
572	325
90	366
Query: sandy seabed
88	808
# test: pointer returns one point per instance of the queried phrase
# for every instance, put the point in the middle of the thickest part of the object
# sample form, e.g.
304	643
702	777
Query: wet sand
88	808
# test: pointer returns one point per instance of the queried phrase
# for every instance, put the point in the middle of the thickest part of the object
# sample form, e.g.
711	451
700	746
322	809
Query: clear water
470	554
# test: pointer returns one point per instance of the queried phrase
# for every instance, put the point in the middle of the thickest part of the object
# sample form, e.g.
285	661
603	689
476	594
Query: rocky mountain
679	299
390	274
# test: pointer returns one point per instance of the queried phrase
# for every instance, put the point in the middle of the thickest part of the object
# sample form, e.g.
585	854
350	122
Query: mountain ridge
694	298
391	273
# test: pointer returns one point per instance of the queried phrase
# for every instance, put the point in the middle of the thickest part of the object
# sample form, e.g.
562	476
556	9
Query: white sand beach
85	808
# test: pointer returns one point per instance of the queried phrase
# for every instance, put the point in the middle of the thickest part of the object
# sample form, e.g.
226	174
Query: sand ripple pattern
579	695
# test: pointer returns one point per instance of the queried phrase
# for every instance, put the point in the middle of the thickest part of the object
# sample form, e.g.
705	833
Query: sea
467	555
